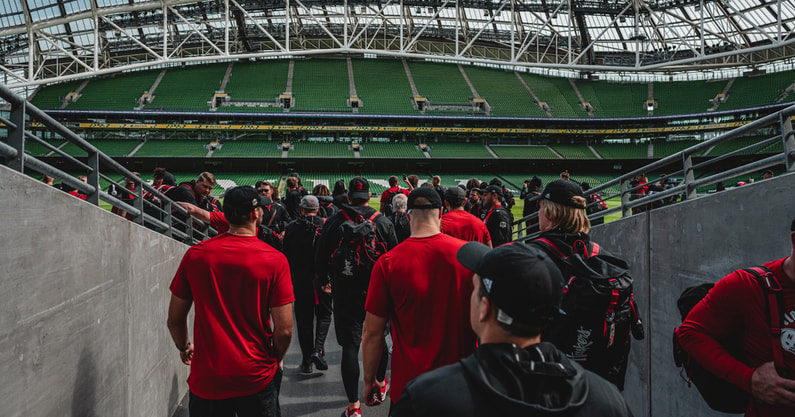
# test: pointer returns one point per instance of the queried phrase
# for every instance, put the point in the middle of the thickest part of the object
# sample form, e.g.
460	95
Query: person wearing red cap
735	309
419	281
244	317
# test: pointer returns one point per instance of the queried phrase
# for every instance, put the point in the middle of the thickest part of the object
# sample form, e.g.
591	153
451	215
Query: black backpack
720	394
387	208
358	248
508	196
600	311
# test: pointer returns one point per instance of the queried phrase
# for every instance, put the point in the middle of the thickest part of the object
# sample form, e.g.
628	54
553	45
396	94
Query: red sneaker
356	412
381	396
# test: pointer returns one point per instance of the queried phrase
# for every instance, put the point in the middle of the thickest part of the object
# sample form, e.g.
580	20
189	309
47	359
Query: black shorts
263	403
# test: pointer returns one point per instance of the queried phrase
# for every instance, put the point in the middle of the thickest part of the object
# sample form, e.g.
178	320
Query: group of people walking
469	314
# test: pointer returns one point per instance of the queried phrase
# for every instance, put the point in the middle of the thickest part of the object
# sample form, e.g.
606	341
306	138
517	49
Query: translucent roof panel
11	13
573	35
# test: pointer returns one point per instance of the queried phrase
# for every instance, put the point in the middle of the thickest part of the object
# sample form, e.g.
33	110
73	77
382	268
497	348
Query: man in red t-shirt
422	289
735	308
389	194
239	284
457	222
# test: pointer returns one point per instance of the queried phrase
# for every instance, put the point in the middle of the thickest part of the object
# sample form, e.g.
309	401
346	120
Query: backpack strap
374	215
594	248
546	243
774	296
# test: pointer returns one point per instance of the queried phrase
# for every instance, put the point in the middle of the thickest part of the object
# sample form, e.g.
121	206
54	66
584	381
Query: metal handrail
16	158
687	187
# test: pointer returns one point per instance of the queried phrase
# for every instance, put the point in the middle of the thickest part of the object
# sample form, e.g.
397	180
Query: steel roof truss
53	42
322	25
195	29
599	36
492	16
546	22
258	25
131	37
378	13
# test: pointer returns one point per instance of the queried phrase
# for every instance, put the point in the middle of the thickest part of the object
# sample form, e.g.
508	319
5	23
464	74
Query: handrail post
788	137
687	162
16	137
625	212
93	178
167	218
519	228
138	202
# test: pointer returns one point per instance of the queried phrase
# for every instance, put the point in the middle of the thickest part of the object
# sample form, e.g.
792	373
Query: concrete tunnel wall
682	245
85	296
83	312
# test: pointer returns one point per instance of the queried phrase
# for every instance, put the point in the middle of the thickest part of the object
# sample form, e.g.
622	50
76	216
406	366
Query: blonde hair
570	219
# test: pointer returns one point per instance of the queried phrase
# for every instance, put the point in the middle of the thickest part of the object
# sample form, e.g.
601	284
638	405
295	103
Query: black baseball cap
521	280
494	189
359	188
429	194
243	199
562	191
454	194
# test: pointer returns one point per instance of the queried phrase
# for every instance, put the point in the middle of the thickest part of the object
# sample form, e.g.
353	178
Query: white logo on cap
502	317
487	283
254	203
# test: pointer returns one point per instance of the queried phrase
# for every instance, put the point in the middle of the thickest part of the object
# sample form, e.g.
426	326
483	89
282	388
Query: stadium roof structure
52	40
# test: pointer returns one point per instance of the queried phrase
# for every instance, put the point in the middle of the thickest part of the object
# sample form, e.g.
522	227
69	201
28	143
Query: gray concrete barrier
85	296
672	248
82	320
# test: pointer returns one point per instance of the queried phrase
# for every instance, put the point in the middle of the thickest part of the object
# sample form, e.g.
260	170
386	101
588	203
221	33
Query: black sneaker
319	360
306	368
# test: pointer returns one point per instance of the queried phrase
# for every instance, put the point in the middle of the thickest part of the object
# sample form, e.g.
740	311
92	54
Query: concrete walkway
317	395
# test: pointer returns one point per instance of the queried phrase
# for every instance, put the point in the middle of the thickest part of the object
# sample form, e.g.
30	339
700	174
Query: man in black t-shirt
349	282
498	219
312	300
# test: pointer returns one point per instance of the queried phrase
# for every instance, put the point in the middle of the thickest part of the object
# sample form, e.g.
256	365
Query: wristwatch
185	348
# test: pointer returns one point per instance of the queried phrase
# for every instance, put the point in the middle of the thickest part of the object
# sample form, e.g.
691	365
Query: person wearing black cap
217	219
736	309
243	296
564	229
421	289
517	292
561	215
458	223
312	301
350	277
498	219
